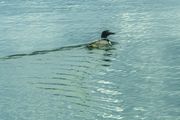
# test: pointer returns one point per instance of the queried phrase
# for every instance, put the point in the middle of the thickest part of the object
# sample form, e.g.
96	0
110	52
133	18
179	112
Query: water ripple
75	79
106	91
42	52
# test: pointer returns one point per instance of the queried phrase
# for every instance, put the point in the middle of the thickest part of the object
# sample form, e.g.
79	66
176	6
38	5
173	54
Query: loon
103	42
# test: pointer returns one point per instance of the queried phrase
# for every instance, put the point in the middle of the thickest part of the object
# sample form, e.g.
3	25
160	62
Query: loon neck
104	39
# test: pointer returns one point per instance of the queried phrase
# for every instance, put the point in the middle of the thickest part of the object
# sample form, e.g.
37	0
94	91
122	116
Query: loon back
100	43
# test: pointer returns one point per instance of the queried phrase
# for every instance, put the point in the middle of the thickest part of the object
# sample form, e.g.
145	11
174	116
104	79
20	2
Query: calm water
41	79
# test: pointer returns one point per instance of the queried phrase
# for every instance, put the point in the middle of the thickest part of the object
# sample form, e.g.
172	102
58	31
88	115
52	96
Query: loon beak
111	33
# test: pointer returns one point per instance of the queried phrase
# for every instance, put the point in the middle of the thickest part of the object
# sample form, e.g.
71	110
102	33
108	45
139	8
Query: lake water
45	76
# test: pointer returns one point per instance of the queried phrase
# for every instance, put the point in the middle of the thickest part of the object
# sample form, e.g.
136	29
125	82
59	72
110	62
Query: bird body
103	42
100	43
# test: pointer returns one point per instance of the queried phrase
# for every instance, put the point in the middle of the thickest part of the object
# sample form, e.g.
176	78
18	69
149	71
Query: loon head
105	34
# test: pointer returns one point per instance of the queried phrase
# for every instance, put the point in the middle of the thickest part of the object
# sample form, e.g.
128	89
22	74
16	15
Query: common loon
103	42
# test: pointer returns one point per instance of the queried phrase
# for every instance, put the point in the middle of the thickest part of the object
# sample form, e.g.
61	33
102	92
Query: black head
106	33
